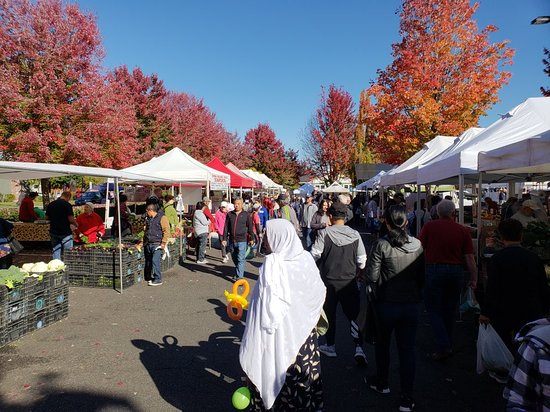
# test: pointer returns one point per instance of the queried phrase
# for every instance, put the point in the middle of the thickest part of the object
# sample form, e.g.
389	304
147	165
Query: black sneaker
378	387
406	404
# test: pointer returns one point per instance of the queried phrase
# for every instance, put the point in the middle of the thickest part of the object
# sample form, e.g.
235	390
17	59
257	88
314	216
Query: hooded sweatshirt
339	252
397	271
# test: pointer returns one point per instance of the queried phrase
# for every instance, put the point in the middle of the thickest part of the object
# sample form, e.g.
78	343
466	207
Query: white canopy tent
267	183
372	183
335	188
525	121
407	171
178	167
28	170
529	156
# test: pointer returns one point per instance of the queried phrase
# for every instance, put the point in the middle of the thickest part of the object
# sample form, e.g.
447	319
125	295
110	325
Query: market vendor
26	209
526	212
90	225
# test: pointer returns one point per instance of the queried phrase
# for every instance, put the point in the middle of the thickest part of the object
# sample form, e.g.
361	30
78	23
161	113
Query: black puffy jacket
397	272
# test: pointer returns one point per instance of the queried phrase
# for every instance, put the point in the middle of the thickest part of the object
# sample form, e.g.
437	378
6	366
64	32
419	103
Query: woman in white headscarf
279	351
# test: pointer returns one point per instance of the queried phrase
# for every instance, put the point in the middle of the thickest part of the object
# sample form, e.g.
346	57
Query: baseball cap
256	205
282	196
223	204
89	204
530	204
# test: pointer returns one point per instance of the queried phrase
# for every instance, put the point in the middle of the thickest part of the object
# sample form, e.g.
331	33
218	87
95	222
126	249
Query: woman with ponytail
395	270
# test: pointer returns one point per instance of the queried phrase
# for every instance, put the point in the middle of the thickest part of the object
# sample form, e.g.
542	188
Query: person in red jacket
26	209
90	224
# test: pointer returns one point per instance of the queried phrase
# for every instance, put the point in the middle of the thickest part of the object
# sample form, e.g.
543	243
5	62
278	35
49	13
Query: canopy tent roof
236	180
235	169
407	171
28	170
335	188
178	166
531	156
372	182
267	183
525	121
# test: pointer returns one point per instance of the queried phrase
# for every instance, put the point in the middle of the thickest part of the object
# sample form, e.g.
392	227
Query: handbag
15	246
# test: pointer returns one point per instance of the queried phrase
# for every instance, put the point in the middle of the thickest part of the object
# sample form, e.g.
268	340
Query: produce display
32	297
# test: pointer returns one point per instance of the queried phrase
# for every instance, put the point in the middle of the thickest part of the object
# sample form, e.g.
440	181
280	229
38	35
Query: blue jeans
152	262
441	297
200	250
307	238
60	242
403	319
238	254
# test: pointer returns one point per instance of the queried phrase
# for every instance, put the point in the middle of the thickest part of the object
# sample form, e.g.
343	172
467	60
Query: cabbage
55	265
39	267
27	267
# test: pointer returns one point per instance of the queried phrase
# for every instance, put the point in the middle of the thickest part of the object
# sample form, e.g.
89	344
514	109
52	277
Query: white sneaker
360	356
327	350
202	262
225	259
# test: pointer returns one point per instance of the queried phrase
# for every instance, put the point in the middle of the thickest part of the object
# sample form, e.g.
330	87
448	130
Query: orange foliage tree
445	75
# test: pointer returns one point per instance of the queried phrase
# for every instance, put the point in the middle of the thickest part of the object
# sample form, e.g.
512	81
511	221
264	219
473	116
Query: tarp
235	169
407	171
306	188
525	121
179	167
335	188
235	179
267	183
372	182
29	170
530	156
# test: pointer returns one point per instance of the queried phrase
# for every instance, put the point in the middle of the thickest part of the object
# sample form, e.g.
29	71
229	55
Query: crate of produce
16	294
15	312
37	302
37	321
15	330
35	285
58	278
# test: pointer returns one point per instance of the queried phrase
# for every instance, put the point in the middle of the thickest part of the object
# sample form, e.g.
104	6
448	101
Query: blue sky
258	61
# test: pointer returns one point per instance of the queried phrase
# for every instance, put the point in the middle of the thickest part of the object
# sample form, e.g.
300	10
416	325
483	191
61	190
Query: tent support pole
117	194
381	207
418	203
461	199
479	183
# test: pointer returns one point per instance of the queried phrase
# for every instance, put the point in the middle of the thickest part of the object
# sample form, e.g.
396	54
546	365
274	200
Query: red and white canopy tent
236	179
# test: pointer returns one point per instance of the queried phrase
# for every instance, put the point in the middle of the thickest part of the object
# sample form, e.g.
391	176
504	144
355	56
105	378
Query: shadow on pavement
55	398
183	374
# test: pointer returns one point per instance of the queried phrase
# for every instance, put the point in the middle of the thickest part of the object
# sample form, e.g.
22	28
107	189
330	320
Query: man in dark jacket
517	290
62	223
340	253
157	231
238	225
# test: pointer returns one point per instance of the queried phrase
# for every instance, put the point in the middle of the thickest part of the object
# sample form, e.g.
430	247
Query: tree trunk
45	184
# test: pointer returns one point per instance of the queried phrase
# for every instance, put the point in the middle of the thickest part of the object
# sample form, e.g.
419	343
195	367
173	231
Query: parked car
93	197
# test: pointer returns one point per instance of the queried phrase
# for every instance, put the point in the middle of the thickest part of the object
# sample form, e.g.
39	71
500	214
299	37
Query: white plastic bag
492	353
469	302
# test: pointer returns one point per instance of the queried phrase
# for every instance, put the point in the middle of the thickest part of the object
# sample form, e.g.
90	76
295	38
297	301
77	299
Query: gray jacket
307	214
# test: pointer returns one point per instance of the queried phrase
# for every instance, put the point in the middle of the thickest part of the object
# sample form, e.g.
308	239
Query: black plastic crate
101	281
15	330
15	312
37	302
37	321
58	296
57	312
16	294
58	279
34	285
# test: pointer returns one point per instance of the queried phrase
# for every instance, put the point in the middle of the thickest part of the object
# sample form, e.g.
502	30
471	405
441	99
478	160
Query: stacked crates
33	305
96	267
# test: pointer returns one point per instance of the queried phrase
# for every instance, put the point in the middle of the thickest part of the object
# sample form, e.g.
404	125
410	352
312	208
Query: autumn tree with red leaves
236	152
330	136
266	152
445	75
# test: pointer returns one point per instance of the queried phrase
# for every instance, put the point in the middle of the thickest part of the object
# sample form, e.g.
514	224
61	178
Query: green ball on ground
241	398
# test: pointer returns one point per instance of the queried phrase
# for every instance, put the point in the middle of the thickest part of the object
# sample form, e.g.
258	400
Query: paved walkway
172	348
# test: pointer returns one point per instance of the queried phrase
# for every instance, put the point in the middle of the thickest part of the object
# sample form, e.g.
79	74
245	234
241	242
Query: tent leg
418	203
479	184
119	235
461	199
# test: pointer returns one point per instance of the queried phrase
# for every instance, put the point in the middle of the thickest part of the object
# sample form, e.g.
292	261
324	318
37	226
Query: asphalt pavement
173	348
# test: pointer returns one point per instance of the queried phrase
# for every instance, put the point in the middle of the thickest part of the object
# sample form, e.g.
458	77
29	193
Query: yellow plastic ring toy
244	284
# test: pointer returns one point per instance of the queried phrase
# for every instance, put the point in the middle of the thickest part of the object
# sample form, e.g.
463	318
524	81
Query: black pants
349	297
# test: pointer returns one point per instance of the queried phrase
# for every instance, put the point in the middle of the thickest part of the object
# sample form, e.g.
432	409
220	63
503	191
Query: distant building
319	183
